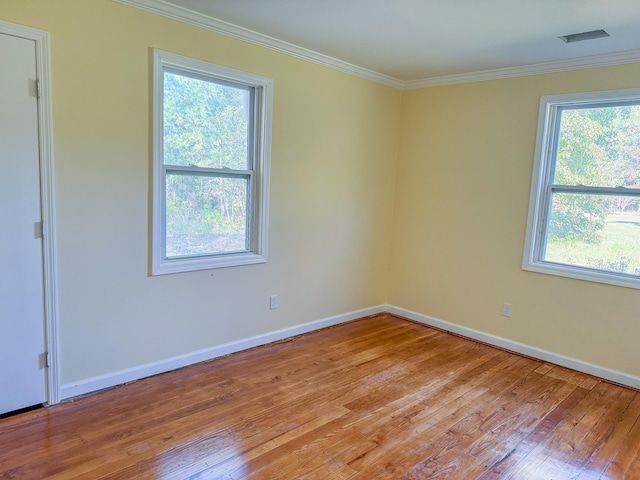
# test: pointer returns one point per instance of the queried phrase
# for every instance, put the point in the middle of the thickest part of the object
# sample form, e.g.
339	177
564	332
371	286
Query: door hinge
37	88
38	229
43	360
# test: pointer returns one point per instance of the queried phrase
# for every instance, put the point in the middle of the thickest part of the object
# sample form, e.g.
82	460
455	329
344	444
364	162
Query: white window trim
259	223
538	201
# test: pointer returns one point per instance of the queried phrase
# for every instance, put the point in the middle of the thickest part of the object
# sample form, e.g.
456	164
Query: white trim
521	348
200	20
539	197
45	137
259	223
161	7
586	274
593	61
94	384
101	382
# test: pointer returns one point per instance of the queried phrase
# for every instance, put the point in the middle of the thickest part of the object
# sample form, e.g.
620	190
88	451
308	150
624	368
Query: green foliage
205	125
597	147
580	217
618	251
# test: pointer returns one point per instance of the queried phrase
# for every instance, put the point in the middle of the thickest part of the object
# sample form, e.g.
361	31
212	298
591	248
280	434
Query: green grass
617	251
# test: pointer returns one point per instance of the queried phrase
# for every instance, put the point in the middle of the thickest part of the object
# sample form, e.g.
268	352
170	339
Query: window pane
599	146
206	124
205	215
595	231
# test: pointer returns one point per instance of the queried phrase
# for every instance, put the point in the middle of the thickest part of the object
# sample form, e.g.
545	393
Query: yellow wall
463	183
456	161
332	178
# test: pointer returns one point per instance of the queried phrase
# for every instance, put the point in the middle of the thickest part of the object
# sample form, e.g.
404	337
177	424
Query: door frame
47	199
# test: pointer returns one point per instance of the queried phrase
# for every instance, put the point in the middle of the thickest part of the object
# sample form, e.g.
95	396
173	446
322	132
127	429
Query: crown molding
161	7
200	20
594	61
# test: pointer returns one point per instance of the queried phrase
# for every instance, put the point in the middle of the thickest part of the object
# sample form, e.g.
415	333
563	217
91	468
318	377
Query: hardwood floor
378	398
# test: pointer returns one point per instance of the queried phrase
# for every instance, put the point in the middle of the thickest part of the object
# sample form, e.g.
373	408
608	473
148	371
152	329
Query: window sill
587	274
191	264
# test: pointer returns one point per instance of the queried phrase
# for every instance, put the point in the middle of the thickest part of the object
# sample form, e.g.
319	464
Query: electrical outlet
273	302
506	309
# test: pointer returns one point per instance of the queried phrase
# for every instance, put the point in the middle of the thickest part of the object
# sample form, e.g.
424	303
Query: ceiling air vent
579	37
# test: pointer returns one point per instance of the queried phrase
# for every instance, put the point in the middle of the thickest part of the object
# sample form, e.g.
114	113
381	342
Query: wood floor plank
498	446
539	399
404	442
603	441
558	458
377	398
445	436
633	471
523	456
624	457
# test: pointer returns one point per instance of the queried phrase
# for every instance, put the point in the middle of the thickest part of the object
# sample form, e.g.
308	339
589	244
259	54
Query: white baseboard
82	387
551	357
94	384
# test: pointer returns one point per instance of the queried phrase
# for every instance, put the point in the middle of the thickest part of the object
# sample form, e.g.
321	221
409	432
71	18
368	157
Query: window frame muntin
541	193
259	145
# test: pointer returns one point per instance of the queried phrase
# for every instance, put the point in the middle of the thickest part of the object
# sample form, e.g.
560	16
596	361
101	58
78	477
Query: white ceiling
423	39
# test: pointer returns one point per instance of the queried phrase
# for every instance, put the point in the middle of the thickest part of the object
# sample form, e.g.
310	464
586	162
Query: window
584	211
212	133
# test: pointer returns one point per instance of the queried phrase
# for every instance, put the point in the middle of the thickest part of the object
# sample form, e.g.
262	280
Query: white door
22	339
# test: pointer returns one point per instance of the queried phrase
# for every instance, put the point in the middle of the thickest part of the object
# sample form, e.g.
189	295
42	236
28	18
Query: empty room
330	240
